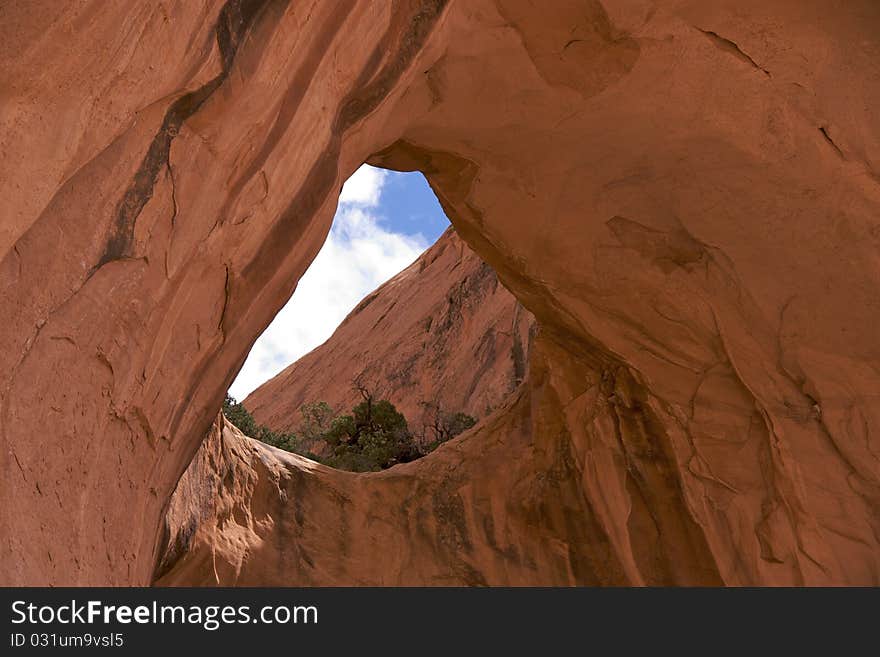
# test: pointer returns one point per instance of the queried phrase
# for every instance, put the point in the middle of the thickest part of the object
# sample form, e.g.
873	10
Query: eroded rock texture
685	195
442	336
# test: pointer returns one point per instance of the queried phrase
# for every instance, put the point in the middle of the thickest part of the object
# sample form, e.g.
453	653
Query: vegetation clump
372	437
238	415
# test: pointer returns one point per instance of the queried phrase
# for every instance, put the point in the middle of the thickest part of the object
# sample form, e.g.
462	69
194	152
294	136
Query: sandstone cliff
441	334
683	193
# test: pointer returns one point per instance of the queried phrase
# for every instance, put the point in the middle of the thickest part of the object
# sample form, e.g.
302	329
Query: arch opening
397	338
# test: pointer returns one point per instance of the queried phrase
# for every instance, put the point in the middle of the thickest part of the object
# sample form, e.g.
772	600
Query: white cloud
358	256
364	187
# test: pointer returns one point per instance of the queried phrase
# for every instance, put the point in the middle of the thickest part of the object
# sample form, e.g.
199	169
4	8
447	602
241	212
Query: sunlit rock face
684	194
443	336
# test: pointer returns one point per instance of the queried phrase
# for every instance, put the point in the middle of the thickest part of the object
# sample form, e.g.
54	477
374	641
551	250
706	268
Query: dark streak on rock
18	258
517	353
824	130
235	21
226	286
656	489
146	428
292	100
18	463
732	48
173	194
485	355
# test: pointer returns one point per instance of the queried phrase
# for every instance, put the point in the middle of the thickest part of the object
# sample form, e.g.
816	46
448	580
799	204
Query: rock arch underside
685	194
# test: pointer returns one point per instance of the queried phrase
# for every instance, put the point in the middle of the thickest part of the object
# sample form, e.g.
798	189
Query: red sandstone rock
684	194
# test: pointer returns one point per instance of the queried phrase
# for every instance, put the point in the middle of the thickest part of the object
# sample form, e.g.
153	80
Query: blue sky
384	221
408	206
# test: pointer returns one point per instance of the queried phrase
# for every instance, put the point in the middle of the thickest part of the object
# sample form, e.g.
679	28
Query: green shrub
238	415
456	423
442	427
341	431
317	419
373	437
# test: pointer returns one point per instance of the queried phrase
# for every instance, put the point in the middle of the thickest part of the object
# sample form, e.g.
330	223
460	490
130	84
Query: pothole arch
695	410
487	373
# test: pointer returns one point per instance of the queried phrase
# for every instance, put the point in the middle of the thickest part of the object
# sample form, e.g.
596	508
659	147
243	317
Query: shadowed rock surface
684	194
